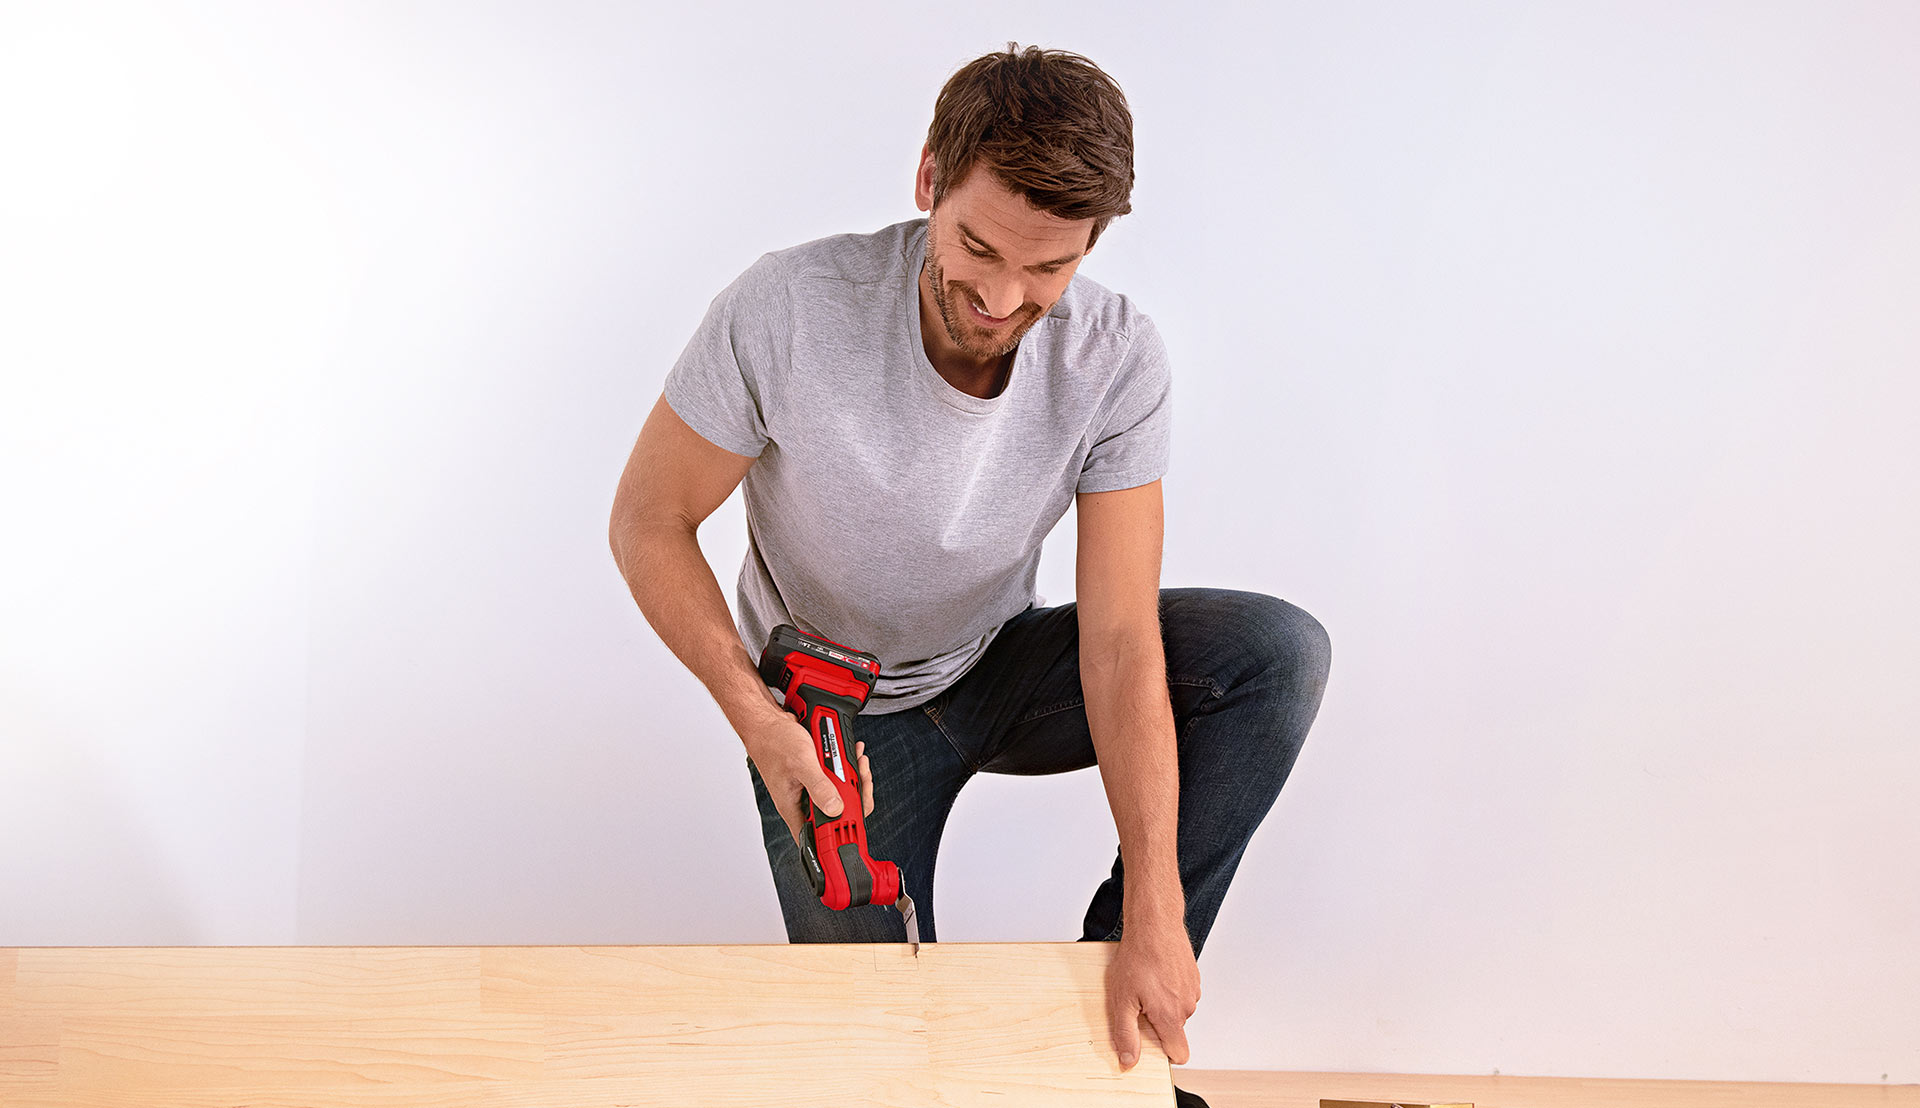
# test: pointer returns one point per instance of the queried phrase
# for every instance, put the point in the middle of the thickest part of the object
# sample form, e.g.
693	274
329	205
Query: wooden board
1393	1104
1003	1024
1275	1089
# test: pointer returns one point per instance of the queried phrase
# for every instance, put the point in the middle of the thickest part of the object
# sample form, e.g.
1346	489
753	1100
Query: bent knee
1305	640
1280	635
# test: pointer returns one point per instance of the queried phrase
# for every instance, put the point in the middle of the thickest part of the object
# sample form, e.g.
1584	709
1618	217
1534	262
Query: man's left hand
1153	973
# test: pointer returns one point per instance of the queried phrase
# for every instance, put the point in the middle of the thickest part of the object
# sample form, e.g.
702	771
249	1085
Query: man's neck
985	383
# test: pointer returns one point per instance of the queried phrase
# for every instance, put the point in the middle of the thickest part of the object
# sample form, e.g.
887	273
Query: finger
1173	1039
1124	1018
866	784
797	823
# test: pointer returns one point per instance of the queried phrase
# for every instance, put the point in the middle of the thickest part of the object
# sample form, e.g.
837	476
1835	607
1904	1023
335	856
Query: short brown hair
1049	125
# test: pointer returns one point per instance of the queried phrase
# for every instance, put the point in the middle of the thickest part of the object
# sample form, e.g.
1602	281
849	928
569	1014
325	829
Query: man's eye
978	253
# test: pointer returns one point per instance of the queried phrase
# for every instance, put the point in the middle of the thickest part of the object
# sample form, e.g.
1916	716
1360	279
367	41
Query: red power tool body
825	685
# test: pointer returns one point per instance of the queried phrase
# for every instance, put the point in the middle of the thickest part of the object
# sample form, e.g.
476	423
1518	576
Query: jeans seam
947	735
1214	692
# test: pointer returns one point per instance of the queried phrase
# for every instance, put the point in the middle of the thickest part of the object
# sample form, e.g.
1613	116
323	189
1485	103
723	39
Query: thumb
825	796
1125	1025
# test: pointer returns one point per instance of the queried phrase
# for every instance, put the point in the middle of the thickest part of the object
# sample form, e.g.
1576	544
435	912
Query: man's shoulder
1090	310
882	255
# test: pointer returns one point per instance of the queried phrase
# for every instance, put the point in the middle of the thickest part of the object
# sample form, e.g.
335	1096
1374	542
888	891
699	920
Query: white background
1560	358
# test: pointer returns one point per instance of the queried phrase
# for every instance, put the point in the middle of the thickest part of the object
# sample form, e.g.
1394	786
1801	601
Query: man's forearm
677	592
1131	720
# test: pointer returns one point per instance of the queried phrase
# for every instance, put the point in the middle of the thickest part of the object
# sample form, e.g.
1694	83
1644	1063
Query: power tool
825	685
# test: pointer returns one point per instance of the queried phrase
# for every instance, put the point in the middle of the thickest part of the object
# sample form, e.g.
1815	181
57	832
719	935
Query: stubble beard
980	343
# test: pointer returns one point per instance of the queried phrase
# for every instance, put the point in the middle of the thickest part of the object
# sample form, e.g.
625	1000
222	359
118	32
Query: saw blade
905	905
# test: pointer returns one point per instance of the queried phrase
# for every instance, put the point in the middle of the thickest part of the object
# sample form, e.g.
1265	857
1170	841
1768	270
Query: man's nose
1003	301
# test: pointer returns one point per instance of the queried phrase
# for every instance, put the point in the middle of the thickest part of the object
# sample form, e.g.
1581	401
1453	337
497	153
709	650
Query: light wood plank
999	1024
1277	1089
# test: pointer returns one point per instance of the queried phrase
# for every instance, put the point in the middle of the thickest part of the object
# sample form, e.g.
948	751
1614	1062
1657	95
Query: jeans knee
1307	644
1281	639
1289	655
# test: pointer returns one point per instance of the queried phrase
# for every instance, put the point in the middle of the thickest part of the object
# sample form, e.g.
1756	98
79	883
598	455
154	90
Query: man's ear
923	181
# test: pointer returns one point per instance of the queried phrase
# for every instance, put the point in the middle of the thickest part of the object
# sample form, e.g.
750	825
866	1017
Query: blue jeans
1245	673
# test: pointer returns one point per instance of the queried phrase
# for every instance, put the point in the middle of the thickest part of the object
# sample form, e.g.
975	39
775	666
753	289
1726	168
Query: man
912	411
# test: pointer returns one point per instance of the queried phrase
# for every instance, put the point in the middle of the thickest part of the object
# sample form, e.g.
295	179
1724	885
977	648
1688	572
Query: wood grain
1000	1024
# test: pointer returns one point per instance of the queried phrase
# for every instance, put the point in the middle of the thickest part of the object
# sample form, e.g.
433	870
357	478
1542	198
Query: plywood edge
1305	1089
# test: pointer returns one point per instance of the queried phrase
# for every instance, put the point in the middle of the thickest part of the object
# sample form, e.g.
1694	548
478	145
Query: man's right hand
782	750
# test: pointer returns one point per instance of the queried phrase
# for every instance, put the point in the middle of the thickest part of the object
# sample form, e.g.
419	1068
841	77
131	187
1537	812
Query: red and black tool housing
825	685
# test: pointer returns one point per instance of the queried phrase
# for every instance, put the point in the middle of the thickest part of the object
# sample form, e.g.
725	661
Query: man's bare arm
1123	676
673	481
1155	973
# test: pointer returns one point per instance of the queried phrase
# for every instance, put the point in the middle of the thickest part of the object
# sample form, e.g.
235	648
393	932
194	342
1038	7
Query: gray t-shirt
887	510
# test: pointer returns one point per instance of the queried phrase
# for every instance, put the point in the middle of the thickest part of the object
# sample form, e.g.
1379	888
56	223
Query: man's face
995	263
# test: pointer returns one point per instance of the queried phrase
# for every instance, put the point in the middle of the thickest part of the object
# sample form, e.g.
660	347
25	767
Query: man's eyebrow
969	232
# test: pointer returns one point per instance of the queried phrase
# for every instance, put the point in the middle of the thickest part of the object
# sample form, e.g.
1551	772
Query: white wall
1560	358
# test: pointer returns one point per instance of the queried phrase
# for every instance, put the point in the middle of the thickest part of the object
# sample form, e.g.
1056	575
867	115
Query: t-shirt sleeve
731	371
1132	434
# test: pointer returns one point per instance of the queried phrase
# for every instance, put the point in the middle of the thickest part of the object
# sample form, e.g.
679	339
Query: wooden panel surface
1271	1089
847	1025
